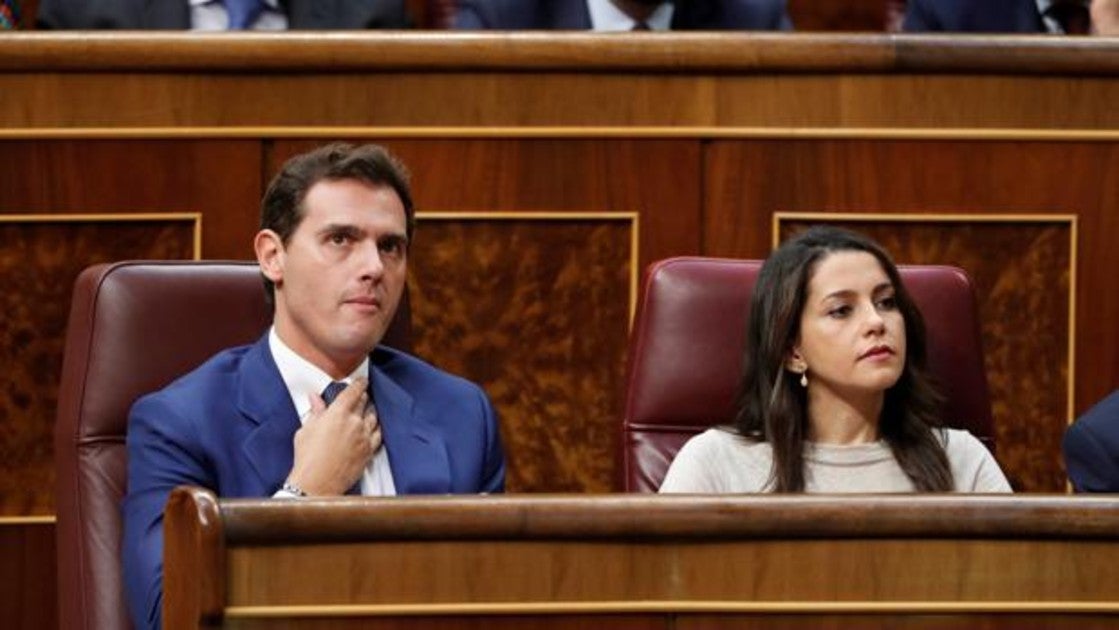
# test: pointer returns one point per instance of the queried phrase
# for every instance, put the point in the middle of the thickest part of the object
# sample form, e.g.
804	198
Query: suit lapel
263	400
697	14
569	15
166	14
417	453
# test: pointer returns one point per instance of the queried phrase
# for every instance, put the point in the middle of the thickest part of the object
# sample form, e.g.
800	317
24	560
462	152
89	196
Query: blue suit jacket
175	14
1091	448
973	16
229	424
508	15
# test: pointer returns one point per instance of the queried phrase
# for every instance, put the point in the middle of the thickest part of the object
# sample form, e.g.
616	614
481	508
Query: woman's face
852	335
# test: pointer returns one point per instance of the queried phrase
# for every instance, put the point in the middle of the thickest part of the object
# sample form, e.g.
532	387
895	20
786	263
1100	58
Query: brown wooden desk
643	561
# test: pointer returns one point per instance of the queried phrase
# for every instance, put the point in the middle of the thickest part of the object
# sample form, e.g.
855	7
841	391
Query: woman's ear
795	362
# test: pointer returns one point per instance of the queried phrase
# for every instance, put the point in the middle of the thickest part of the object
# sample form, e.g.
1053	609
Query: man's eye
392	247
339	238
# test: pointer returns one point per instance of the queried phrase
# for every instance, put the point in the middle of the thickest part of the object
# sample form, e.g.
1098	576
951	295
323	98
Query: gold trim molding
561	132
670	606
117	217
27	520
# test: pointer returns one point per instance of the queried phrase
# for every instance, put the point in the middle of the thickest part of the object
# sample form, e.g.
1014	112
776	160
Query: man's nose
372	265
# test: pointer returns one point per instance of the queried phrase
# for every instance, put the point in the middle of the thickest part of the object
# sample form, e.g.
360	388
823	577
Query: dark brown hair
282	211
773	408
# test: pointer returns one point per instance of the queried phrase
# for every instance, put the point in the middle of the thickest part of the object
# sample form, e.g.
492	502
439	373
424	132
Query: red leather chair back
134	327
685	355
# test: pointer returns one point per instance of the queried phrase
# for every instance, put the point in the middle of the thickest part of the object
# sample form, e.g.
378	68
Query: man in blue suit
258	421
997	16
221	14
1091	448
622	15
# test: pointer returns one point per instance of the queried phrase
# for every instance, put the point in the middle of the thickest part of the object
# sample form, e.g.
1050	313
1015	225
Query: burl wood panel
536	312
38	264
1021	274
747	181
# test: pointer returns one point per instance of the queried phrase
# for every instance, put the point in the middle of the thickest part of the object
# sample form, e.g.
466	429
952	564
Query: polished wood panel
220	179
454	79
965	557
39	262
506	303
659	179
27	573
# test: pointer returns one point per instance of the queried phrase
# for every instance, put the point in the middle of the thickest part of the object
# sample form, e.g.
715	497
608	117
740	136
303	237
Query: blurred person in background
217	15
622	15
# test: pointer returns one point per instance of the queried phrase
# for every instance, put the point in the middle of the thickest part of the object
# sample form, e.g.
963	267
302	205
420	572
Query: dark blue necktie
328	395
331	392
242	13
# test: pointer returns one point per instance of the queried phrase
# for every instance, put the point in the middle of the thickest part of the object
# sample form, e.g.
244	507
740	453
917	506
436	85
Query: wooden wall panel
39	262
27	573
657	178
535	311
221	179
382	99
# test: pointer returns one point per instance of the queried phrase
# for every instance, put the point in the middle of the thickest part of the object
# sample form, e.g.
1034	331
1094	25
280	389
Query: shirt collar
301	377
273	5
607	17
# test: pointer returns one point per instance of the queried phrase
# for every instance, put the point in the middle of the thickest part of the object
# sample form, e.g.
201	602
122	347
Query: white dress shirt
605	16
210	15
1051	24
303	378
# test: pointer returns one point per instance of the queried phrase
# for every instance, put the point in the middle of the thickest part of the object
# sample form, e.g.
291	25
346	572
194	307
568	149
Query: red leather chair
134	327
685	356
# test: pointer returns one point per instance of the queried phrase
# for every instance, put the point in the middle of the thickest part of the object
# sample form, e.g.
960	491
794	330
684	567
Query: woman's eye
839	312
888	304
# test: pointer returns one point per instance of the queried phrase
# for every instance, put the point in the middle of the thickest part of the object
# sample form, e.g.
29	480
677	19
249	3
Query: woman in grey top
834	395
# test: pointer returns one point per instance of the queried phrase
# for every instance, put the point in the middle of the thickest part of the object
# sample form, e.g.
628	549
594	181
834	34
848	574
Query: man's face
340	276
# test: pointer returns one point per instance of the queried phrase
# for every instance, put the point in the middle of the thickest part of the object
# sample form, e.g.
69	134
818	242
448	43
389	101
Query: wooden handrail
717	52
523	517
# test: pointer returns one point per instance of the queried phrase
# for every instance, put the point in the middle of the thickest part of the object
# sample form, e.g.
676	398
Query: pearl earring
804	378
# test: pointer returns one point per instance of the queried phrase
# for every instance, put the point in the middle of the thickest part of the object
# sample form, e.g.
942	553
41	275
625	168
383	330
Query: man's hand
1105	17
336	442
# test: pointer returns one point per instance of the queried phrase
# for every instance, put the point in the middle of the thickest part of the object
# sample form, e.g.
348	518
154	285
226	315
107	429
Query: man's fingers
353	396
317	403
